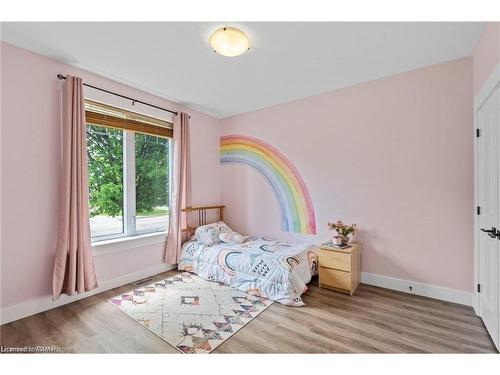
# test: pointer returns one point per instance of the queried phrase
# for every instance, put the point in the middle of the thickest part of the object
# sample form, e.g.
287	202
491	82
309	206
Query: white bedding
272	269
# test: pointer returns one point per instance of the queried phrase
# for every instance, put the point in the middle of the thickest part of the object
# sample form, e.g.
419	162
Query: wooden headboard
202	215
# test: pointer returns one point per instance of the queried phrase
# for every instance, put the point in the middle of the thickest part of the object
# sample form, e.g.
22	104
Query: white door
488	123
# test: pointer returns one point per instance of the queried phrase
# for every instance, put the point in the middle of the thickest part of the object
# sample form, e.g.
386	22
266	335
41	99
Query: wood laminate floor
374	320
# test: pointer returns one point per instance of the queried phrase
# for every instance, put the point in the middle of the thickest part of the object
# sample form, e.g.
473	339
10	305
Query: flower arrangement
343	232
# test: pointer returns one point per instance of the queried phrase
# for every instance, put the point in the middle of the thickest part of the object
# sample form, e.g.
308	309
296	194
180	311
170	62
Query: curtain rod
60	76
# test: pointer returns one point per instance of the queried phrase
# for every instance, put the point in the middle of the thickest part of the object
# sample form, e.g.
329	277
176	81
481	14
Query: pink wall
392	155
486	54
30	160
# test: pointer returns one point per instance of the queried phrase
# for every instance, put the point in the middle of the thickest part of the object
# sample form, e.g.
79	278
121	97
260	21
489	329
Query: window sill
127	243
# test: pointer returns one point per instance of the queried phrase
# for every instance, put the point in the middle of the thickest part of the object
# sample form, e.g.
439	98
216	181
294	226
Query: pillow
221	227
233	237
209	234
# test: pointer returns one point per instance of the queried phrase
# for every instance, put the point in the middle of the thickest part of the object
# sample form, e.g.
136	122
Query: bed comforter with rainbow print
272	269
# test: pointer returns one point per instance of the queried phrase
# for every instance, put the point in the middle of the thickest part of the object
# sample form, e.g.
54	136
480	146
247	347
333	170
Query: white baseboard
22	310
421	289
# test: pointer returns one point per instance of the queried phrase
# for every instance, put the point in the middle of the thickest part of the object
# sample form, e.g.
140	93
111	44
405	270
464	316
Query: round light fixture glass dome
229	41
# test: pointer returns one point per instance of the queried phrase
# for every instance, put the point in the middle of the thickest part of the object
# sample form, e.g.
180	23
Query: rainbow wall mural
297	212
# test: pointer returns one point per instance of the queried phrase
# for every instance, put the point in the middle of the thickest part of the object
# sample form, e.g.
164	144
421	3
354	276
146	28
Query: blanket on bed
272	269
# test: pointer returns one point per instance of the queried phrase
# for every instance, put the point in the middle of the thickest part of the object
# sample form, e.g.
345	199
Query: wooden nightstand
340	269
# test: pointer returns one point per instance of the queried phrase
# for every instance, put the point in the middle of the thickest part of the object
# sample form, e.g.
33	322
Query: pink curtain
74	265
181	189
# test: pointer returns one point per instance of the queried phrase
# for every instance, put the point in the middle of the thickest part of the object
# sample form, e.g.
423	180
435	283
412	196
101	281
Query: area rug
191	314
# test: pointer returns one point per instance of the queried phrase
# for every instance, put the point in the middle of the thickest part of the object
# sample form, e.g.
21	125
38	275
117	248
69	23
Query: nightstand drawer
335	260
335	278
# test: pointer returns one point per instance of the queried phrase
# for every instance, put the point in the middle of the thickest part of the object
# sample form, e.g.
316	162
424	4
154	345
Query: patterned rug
191	314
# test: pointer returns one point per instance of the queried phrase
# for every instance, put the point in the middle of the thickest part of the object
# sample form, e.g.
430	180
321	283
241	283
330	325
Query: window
151	183
129	172
105	169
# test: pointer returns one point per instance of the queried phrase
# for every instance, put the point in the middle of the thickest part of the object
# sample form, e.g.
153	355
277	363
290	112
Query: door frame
480	98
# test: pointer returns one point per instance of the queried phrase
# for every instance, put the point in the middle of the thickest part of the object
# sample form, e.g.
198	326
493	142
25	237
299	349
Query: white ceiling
287	61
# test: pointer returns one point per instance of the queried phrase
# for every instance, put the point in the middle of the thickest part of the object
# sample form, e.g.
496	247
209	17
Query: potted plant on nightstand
343	232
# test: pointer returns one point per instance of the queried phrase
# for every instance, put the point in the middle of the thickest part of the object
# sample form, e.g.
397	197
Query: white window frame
129	184
129	194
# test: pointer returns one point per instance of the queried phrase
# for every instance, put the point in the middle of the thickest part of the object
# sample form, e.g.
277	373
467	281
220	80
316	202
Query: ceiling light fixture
229	41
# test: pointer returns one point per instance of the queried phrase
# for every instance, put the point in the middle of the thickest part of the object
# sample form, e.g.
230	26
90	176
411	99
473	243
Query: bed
272	269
